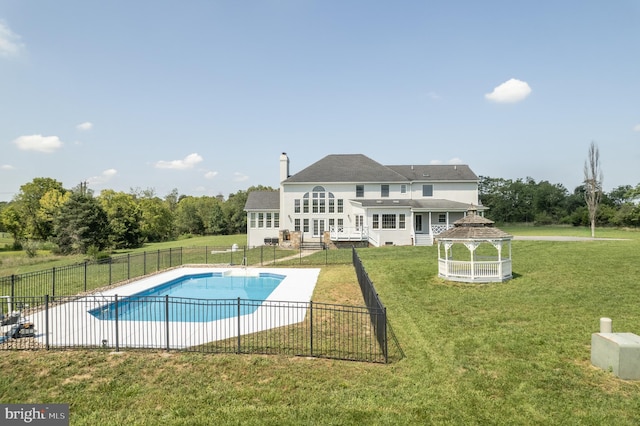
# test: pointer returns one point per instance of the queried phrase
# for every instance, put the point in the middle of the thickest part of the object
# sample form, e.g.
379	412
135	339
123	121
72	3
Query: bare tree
593	184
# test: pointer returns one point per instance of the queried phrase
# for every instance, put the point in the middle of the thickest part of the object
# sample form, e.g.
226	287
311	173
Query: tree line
544	203
77	221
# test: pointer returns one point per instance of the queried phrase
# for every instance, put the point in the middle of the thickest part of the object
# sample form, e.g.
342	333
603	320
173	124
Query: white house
350	198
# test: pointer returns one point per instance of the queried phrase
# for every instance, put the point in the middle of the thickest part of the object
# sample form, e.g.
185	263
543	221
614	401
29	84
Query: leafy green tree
3	205
29	206
81	225
157	220
187	217
124	219
50	205
13	223
619	196
217	224
550	200
235	214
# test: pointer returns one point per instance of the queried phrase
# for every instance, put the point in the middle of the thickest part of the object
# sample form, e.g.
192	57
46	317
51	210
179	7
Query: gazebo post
500	260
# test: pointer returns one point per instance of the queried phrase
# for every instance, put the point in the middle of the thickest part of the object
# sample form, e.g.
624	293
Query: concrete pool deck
71	324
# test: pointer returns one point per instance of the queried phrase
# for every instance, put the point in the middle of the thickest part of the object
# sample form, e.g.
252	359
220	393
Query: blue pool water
194	298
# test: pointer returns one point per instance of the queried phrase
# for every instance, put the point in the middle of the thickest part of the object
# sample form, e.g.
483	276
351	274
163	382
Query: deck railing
346	233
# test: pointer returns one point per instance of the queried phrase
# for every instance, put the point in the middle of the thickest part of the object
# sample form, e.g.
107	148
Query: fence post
13	286
128	266
85	275
116	324
166	316
170	256
144	262
110	260
53	282
46	321
311	326
206	254
238	325
158	261
386	345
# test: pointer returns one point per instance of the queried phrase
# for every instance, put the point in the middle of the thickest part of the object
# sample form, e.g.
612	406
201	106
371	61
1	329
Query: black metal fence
64	319
212	326
91	275
373	303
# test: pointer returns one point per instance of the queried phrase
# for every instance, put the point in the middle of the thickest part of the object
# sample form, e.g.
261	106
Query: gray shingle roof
436	172
360	168
263	200
433	204
346	168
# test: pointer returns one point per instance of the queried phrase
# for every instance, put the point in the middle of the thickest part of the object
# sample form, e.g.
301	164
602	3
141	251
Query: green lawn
510	353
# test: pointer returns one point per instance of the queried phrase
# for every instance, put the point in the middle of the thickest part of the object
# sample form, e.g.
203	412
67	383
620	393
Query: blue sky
203	96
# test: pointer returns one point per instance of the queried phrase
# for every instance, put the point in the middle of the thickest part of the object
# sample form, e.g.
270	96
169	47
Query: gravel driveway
559	238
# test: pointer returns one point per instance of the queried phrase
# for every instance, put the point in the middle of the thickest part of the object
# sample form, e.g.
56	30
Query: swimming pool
74	323
194	298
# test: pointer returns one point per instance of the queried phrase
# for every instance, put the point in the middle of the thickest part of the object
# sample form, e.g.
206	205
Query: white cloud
9	41
85	126
239	177
636	128
509	92
187	163
105	176
38	143
210	175
6	167
435	162
455	160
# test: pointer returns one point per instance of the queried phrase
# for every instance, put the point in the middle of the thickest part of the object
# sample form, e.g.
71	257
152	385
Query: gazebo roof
473	227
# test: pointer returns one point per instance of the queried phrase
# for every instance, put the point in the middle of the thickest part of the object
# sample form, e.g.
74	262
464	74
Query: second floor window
427	190
359	191
384	190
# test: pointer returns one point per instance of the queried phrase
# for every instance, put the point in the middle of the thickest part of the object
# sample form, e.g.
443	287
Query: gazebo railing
474	271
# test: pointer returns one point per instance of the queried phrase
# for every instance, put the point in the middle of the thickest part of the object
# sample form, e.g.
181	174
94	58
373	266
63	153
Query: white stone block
617	352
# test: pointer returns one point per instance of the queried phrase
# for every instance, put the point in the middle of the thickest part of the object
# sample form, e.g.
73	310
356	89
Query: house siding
450	196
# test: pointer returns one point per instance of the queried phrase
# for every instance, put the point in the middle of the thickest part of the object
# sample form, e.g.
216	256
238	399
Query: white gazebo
487	257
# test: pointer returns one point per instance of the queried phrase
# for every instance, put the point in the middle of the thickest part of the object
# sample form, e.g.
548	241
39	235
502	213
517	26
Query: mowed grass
17	262
508	353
